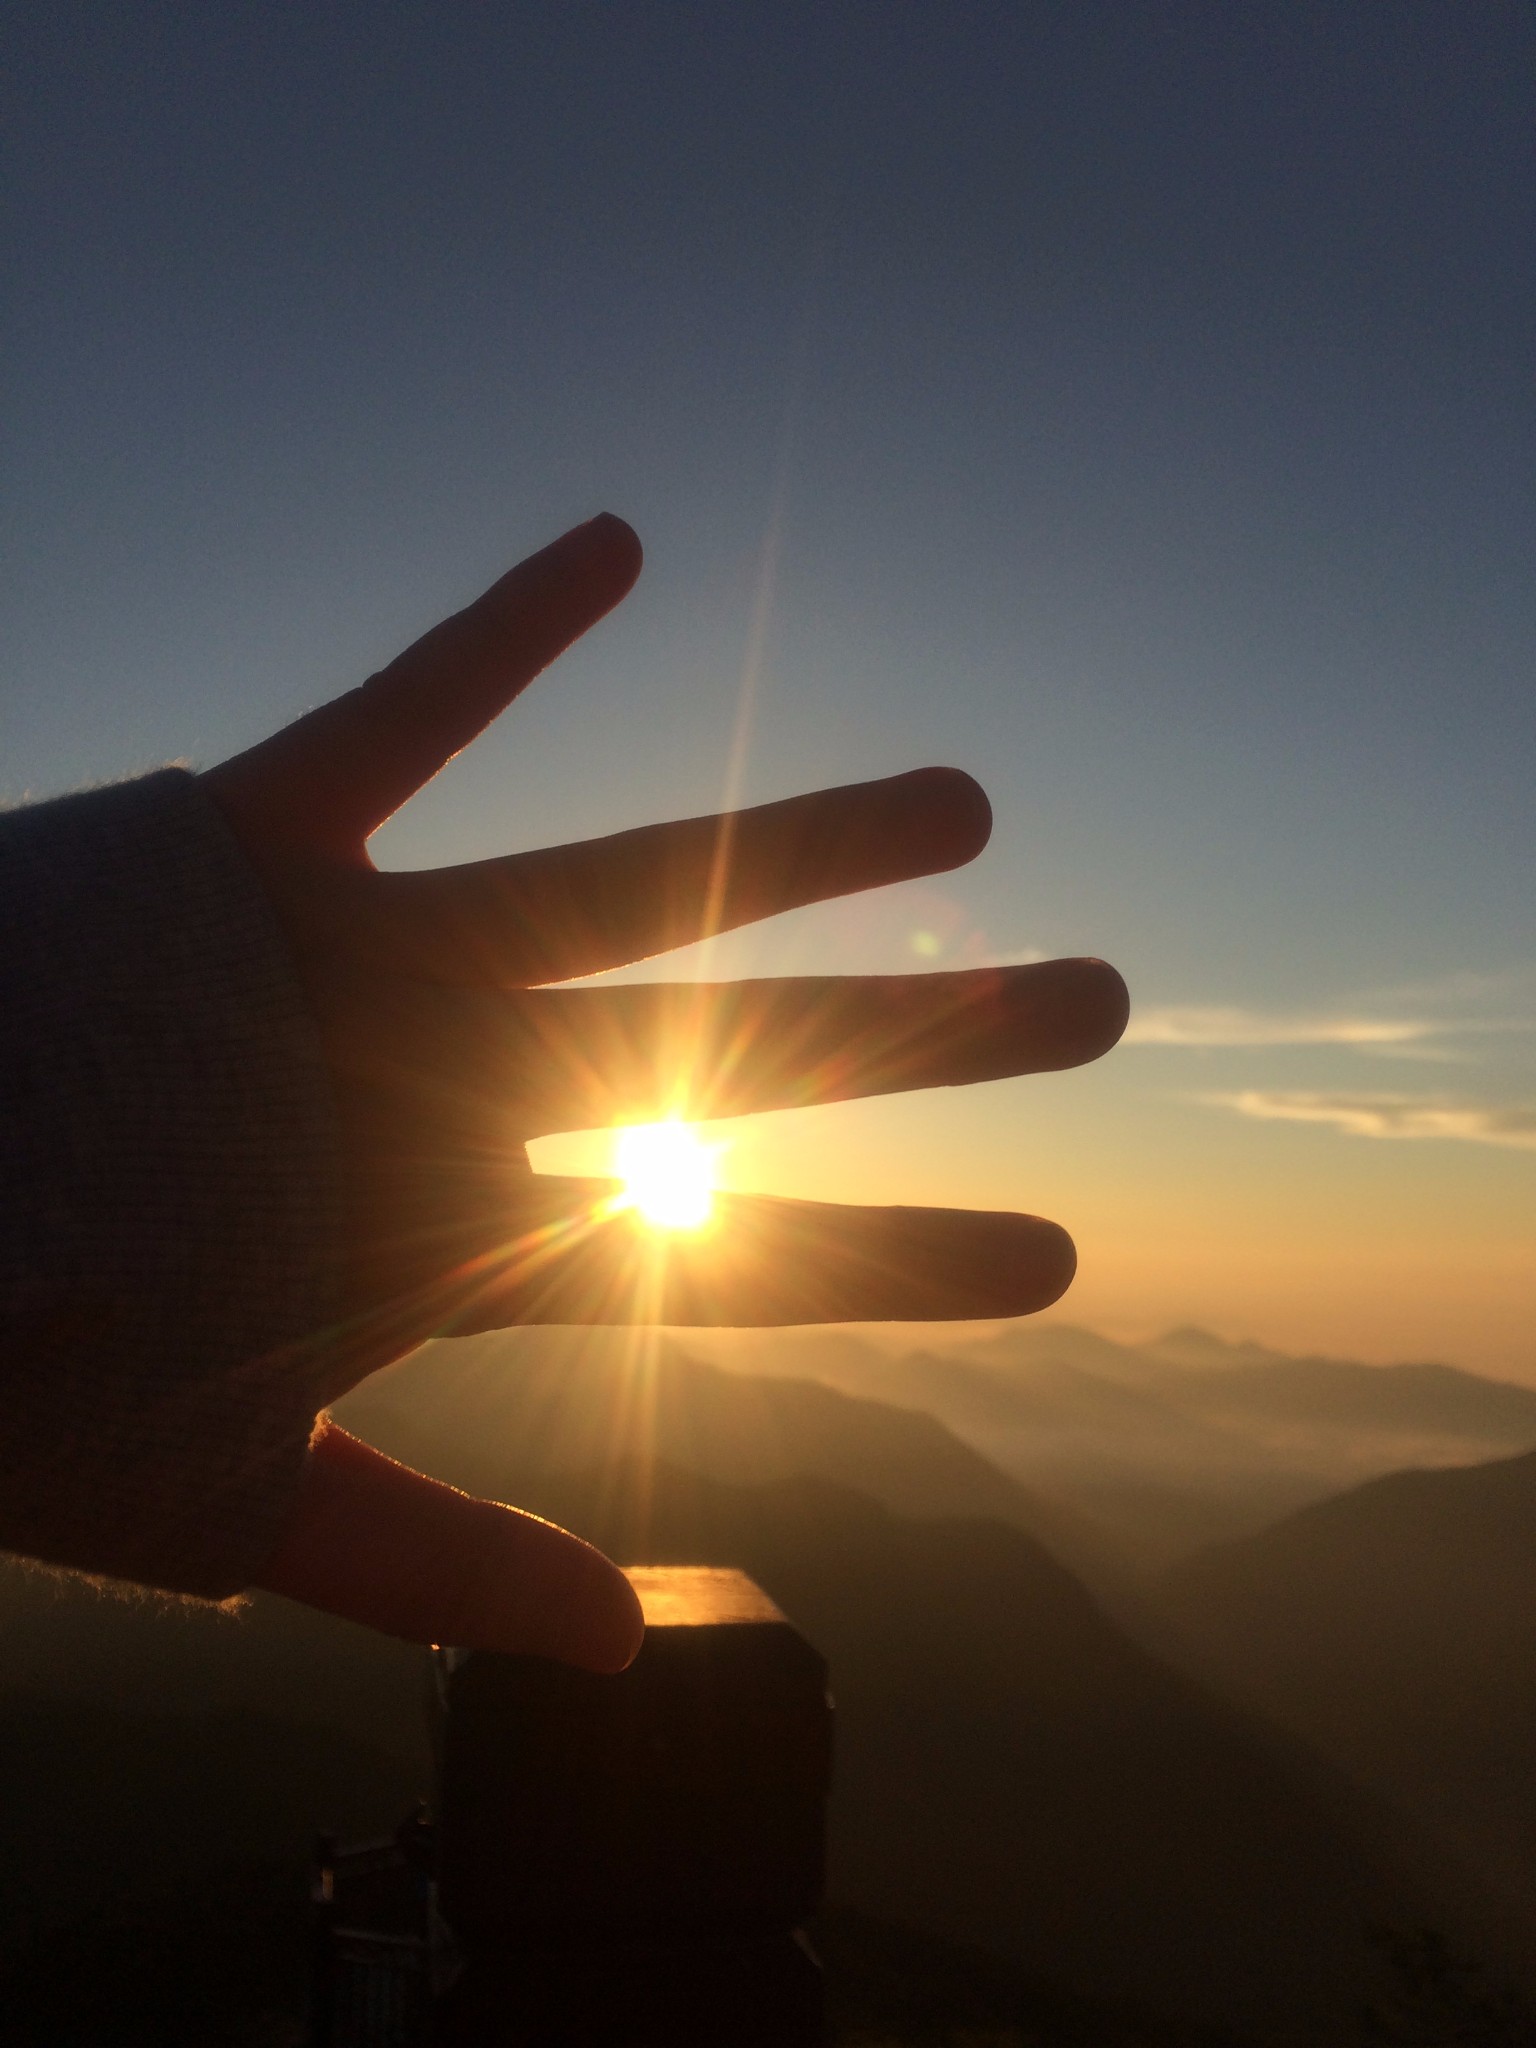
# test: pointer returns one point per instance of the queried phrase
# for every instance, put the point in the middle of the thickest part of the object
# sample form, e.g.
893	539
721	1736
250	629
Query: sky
1132	404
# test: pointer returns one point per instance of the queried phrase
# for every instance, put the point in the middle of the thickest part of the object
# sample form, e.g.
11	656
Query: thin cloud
1215	1025
1389	1116
1512	985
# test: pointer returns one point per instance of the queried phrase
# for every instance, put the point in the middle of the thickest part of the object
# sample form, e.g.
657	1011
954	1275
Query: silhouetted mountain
1012	1769
1163	1447
1132	1481
1447	1407
1189	1345
1396	1627
1322	1415
1013	1772
904	1989
577	1399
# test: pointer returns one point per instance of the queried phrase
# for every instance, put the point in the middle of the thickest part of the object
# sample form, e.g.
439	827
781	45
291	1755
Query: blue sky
1133	404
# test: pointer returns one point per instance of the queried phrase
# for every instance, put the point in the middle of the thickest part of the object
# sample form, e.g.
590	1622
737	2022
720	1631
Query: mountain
1395	1627
1166	1446
1012	1772
579	1399
891	1984
1459	1413
1137	1480
1324	1415
1189	1345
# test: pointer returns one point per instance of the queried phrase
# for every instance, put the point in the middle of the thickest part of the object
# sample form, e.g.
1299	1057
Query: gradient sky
1132	403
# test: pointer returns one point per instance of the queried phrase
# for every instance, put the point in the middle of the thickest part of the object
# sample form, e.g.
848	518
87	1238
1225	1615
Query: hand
447	1056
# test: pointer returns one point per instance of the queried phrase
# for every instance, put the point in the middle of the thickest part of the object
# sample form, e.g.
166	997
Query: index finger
566	911
332	777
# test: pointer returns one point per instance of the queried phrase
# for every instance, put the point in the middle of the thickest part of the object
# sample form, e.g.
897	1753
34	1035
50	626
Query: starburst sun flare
668	1174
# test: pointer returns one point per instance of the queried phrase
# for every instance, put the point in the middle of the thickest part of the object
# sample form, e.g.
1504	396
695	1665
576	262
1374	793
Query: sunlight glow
668	1174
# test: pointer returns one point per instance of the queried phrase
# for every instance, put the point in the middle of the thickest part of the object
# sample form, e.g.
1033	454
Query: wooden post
629	1860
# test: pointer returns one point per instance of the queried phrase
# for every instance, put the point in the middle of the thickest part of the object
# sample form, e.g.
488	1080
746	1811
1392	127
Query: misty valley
1183	1689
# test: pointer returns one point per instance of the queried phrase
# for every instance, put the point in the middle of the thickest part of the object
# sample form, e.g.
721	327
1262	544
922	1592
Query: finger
330	779
599	1055
572	910
574	1058
571	1253
765	1261
377	1543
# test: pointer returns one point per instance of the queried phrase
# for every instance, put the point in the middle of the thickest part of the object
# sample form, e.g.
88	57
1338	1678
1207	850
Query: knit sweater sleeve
169	1204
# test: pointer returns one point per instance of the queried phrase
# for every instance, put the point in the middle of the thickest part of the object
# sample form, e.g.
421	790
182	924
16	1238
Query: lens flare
668	1174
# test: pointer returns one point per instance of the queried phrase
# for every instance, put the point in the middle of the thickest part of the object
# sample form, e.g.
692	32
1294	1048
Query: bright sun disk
668	1174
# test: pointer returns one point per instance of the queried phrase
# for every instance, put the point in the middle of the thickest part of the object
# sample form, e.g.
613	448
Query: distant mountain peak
1189	1345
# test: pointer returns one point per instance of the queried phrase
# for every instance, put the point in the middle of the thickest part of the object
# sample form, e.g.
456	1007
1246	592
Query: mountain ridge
1393	1626
1013	1767
1172	1444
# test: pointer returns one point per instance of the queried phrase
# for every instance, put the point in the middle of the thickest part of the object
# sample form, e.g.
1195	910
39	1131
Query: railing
613	1862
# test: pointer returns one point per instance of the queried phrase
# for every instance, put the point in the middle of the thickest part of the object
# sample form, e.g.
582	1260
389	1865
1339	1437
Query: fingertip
1092	1006
1055	1266
511	1582
955	814
374	1542
620	544
1014	1265
1113	999
617	1643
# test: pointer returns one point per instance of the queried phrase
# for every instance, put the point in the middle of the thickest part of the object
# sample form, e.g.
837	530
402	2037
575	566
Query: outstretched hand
447	1055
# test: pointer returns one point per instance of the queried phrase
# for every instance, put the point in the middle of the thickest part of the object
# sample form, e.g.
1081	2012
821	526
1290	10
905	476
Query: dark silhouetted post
629	1860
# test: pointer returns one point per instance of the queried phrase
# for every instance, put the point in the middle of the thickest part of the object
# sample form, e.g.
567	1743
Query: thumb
375	1542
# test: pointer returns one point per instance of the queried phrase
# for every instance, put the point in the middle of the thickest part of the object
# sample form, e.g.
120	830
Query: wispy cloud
1213	1025
1406	1023
1389	1116
1511	988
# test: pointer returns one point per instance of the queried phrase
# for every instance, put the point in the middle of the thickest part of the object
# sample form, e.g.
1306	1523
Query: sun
668	1174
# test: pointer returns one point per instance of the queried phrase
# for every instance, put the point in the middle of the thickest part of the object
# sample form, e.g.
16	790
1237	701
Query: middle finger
568	1059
